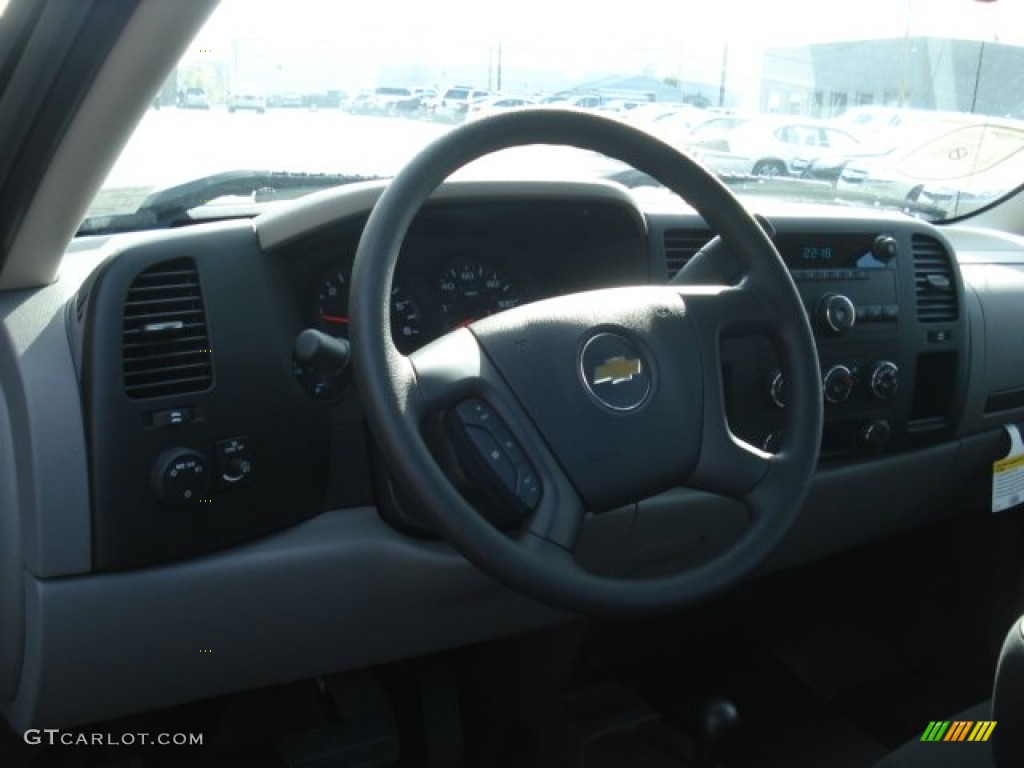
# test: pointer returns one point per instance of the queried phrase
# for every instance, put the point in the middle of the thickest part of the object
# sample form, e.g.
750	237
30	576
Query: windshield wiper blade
170	206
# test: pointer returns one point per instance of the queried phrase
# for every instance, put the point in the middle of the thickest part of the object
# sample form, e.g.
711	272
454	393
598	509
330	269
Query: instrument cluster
439	286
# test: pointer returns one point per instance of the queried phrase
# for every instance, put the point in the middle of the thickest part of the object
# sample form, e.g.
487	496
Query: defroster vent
166	348
934	282
681	245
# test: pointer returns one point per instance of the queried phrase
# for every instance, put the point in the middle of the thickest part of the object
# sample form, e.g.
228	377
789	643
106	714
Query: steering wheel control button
233	457
493	456
180	477
885	380
836	313
477	412
498	455
528	487
838	384
508	445
615	372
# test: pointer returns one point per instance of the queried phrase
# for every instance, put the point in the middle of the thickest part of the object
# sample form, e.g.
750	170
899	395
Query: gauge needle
334	319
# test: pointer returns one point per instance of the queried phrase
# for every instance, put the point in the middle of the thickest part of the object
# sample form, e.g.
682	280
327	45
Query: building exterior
915	72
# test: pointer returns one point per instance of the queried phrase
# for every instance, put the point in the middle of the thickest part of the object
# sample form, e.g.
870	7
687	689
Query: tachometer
332	311
469	290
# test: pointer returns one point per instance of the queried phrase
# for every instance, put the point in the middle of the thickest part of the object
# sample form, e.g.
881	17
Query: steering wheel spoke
495	443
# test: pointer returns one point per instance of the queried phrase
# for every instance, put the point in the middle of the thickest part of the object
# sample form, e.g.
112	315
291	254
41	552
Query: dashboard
210	426
221	476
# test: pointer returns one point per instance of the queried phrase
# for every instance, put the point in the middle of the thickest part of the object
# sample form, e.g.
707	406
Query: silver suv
453	104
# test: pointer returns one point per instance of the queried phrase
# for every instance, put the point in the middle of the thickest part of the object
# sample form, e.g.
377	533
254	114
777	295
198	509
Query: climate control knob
837	384
836	313
885	380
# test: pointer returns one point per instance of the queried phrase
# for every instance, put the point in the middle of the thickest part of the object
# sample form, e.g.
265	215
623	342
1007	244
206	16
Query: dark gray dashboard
109	590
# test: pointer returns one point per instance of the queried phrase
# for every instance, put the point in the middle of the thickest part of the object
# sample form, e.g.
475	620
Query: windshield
915	105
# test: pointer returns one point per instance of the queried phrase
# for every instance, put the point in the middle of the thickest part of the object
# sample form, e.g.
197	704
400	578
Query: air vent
934	283
680	247
165	344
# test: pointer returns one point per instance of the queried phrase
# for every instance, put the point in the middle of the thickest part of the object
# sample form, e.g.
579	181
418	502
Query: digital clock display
816	252
832	251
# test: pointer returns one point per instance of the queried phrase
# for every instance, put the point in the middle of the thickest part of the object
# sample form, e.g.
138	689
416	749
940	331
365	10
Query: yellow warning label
1005	465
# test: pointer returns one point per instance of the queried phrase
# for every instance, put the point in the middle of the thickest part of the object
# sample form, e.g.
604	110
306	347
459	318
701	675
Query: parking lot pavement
174	145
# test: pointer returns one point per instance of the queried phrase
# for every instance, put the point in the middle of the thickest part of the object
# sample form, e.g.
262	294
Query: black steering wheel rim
391	390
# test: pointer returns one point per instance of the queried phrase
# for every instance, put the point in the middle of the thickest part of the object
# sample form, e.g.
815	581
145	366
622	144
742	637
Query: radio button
836	313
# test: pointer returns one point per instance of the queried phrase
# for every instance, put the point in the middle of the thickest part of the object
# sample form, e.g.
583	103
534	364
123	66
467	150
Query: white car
194	98
763	145
495	105
452	105
247	99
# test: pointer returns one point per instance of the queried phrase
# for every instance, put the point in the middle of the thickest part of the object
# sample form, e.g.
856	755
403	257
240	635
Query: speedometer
332	311
469	289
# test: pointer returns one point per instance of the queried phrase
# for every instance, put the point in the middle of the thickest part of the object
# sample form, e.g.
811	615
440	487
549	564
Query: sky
574	40
575	22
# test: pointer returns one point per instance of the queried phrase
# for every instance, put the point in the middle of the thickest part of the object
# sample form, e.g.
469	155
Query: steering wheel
602	397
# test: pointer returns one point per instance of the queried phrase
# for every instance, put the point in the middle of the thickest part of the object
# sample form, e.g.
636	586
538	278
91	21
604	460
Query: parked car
384	99
763	145
953	172
247	99
286	99
331	99
453	103
415	104
496	104
193	98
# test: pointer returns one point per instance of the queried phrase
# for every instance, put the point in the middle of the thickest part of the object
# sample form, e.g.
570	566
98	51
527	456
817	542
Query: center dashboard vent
681	245
934	281
165	345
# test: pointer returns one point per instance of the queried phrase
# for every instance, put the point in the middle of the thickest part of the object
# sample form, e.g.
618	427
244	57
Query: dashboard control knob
321	363
885	379
772	442
885	248
836	313
875	436
837	383
180	476
776	389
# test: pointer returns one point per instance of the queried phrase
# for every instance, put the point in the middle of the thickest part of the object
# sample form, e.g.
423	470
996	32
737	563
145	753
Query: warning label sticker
1008	475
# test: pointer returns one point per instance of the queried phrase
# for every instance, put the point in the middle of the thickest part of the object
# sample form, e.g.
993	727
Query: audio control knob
837	384
776	389
885	248
836	313
885	380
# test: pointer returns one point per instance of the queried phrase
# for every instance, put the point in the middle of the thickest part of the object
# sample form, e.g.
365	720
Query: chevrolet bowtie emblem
617	370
